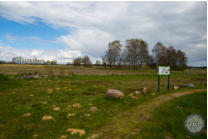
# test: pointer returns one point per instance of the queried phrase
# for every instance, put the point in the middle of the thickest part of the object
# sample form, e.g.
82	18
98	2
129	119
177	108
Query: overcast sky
52	30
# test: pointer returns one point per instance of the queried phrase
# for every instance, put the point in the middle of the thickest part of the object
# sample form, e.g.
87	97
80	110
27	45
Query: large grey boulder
114	93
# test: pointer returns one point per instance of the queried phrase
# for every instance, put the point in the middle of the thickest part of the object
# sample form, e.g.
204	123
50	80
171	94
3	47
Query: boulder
114	93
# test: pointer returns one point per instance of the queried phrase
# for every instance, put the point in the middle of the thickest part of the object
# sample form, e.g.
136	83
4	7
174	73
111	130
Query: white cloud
181	24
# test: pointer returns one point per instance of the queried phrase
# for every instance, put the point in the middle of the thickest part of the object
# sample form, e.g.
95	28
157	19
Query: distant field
83	85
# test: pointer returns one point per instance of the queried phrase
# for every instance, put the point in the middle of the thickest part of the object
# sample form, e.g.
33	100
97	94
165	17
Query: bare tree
181	59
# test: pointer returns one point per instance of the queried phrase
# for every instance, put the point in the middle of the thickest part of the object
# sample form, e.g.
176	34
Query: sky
61	30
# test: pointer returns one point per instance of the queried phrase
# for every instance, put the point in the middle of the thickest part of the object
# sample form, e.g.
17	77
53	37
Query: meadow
74	99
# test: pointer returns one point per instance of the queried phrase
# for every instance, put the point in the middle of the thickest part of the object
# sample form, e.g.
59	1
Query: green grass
168	120
84	89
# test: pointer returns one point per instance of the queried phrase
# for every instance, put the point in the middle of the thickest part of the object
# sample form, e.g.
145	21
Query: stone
144	90
27	115
31	95
76	105
137	93
87	114
94	136
189	85
76	131
175	87
56	108
93	109
132	96
70	115
50	91
43	102
114	93
63	137
47	118
35	136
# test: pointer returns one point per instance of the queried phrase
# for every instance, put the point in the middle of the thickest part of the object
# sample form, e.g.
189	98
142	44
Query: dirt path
127	122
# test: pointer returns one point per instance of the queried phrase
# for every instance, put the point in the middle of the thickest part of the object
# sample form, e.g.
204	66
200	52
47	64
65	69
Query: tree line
135	54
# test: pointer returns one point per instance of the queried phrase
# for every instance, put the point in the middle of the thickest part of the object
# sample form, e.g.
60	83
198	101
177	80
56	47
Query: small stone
93	109
57	88
50	91
47	117
63	137
31	95
94	136
144	90
56	108
175	87
137	93
27	115
76	105
76	131
43	102
87	114
70	115
35	136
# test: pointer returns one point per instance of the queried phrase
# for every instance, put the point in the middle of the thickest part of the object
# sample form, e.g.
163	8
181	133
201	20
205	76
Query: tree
86	61
113	52
137	52
160	54
77	61
171	57
181	59
54	62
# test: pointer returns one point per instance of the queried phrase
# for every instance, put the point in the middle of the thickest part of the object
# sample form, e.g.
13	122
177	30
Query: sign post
163	70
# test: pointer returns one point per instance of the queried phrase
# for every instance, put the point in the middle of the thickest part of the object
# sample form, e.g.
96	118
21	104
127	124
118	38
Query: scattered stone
56	108
153	94
189	85
144	90
63	137
175	87
76	131
114	93
132	96
31	95
57	88
76	105
27	115
70	115
47	117
137	93
93	109
50	91
69	89
90	104
43	102
94	136
35	136
87	114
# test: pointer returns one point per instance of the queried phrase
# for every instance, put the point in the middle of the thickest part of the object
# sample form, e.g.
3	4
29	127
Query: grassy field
84	87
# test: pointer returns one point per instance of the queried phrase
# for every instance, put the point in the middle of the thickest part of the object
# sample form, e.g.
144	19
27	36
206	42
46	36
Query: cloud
62	55
180	24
